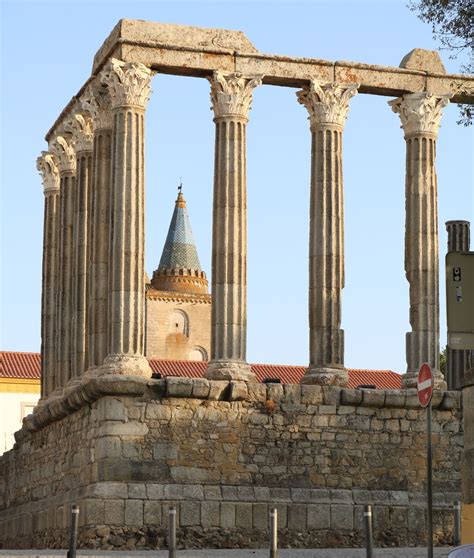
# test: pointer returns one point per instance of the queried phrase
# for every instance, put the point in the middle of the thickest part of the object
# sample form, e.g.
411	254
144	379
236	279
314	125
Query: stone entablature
223	452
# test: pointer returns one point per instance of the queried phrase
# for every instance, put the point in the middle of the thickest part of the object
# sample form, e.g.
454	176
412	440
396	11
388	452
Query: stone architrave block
134	512
243	516
342	518
260	516
218	389
114	512
210	514
152	512
227	515
319	516
373	397
297	516
179	386
351	396
201	388
190	515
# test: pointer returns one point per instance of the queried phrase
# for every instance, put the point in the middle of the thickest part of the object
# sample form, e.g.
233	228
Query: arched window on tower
198	353
179	322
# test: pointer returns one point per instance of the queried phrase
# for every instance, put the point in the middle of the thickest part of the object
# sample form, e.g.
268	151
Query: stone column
66	158
80	128
231	97
457	361
50	174
328	105
420	114
129	89
96	101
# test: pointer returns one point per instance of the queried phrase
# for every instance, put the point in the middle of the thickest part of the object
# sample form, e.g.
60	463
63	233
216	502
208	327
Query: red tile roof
28	365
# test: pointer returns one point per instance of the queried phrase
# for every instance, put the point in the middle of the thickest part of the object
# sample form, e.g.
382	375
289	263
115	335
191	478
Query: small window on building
198	353
179	322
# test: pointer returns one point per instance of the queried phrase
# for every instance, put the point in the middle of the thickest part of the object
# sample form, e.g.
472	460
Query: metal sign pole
429	480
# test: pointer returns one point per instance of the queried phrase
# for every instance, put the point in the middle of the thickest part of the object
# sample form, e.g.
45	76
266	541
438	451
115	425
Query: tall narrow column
96	101
420	114
80	128
231	97
457	361
328	105
66	157
129	89
49	172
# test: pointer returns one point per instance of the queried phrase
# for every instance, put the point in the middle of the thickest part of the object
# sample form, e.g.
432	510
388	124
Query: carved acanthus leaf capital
420	113
231	94
327	103
80	128
49	172
65	155
128	83
96	101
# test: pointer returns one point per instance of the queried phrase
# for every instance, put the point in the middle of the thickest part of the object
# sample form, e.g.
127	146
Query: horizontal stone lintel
190	51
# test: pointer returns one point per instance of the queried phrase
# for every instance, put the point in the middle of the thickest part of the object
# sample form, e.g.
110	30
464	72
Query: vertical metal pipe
429	481
172	533
73	532
457	523
273	533
368	531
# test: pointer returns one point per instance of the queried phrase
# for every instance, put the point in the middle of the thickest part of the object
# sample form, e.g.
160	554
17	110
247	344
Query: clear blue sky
47	52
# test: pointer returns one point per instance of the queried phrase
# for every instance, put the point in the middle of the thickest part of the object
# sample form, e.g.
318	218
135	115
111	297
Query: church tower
178	305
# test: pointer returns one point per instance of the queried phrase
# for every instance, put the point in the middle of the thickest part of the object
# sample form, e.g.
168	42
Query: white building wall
13	407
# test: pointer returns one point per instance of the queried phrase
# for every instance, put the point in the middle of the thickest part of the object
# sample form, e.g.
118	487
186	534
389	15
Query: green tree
442	360
452	23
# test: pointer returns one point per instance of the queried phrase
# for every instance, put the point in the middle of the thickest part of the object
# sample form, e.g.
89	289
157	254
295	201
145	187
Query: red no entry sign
425	385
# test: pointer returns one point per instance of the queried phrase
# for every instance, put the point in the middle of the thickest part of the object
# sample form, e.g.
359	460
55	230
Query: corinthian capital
49	172
420	113
96	102
65	155
327	103
128	83
231	94
80	128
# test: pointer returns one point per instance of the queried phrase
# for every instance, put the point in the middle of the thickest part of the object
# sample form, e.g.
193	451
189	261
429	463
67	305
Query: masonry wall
223	455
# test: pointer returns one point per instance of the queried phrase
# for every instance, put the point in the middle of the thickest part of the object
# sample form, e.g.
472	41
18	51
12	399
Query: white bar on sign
424	385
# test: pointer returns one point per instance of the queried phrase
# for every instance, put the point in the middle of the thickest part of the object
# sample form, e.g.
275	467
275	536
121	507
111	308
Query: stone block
278	494
300	494
351	396
173	492
158	411
362	496
311	395
262	493
212	492
243	516
238	391
218	389
292	393
394	398
114	512
227	515
165	451
134	512
190	514
398	497
210	514
179	386
111	408
332	395
417	519
260	516
194	475
137	491
275	392
229	493
93	512
341	496
115	428
128	470
108	446
193	492
201	388
108	490
451	400
319	516
245	493
155	491
373	397
130	450
297	517
342	518
320	495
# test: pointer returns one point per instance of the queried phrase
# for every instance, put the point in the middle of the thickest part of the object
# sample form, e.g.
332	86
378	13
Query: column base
410	380
122	365
229	370
326	376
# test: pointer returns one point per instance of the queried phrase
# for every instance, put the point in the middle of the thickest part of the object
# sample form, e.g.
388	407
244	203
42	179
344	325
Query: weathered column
420	114
328	105
66	158
129	89
96	101
457	361
231	97
80	128
49	172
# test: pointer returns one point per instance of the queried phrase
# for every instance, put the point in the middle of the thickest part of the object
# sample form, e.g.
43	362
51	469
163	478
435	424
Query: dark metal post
172	533
369	545
273	533
73	532
429	480
457	523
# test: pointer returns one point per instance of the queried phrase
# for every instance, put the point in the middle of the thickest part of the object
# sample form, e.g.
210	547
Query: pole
368	531
429	480
73	532
172	533
273	533
457	523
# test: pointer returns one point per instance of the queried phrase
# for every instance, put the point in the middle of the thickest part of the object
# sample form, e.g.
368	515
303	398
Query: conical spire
179	268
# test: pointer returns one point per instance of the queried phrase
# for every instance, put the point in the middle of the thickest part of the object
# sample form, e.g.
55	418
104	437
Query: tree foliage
452	23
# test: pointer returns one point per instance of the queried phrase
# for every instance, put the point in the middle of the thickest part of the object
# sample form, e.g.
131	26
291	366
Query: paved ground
320	553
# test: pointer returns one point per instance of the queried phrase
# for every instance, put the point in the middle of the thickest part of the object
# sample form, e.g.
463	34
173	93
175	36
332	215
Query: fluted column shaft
231	97
457	361
129	90
327	105
49	171
420	115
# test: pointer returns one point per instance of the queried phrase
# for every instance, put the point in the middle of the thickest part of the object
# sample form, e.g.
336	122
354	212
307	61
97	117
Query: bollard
71	553
368	531
457	523
172	533
273	533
